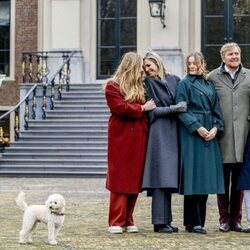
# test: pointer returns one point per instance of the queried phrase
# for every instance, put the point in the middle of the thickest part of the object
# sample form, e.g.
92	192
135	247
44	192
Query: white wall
59	24
72	24
65	24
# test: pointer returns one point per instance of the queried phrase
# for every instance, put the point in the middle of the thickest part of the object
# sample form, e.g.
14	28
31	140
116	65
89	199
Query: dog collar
56	213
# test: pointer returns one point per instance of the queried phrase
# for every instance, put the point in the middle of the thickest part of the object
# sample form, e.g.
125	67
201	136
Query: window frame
117	46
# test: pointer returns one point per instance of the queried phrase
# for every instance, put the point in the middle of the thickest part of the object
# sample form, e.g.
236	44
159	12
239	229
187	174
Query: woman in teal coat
201	163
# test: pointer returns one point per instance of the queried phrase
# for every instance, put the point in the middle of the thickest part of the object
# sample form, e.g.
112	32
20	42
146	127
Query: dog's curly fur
52	214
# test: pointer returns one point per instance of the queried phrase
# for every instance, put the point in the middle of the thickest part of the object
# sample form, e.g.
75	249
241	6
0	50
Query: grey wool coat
234	101
162	165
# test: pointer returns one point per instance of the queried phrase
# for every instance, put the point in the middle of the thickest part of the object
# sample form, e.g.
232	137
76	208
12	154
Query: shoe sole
132	229
224	231
115	230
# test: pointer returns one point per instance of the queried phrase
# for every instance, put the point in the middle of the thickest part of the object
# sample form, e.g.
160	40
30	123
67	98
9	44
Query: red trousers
121	209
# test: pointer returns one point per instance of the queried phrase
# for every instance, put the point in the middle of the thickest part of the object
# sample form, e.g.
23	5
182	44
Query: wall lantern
157	9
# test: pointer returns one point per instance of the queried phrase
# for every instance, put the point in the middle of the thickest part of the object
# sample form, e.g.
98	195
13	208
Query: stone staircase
72	141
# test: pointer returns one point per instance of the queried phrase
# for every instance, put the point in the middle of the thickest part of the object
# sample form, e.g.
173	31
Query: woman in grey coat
161	166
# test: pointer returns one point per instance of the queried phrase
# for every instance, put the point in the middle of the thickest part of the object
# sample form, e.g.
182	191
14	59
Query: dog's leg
26	232
31	232
51	233
57	229
22	239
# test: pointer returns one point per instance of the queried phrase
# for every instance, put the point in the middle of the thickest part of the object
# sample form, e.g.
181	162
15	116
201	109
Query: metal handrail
47	84
57	72
19	104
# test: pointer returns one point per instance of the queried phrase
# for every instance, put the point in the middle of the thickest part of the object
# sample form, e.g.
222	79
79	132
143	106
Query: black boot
196	229
175	229
162	228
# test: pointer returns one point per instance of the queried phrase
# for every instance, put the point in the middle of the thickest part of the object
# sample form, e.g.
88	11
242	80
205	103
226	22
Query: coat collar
193	79
163	83
222	76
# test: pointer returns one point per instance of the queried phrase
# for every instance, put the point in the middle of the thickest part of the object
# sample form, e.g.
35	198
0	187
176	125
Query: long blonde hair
128	76
156	59
199	62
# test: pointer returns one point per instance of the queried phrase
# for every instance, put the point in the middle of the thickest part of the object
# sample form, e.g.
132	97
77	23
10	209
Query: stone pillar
172	59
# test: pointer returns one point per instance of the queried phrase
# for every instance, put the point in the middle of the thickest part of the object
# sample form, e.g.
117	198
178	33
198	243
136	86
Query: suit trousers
195	210
247	205
121	209
230	203
161	207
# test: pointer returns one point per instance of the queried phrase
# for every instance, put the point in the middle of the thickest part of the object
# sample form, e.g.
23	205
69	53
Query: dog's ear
63	202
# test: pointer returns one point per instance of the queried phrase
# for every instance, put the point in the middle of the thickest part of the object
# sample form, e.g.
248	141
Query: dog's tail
20	201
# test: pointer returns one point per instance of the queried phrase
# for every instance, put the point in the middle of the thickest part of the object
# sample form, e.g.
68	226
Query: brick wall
26	21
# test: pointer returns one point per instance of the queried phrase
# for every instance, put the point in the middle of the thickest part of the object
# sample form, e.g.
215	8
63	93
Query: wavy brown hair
199	62
129	77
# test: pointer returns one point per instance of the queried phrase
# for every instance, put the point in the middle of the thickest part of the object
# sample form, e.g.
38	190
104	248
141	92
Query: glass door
116	33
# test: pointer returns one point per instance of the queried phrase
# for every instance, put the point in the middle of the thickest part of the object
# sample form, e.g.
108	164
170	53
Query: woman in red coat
127	140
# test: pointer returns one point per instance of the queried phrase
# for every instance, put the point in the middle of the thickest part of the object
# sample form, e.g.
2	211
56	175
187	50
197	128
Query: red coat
127	140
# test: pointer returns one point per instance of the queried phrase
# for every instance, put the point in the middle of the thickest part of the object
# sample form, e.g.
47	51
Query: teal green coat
201	163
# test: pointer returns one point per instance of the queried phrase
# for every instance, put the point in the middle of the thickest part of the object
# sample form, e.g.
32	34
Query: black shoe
175	229
163	229
246	230
237	227
224	227
196	229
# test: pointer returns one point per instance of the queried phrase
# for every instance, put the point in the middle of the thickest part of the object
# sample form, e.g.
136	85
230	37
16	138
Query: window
116	33
225	21
4	37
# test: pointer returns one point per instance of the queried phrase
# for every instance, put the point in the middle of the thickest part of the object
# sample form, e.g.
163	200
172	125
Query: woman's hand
211	135
203	132
149	105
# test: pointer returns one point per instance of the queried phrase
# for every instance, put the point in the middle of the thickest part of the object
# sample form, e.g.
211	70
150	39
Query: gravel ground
86	218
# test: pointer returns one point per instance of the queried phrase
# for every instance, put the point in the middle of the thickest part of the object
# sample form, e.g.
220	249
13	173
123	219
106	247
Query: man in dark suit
232	82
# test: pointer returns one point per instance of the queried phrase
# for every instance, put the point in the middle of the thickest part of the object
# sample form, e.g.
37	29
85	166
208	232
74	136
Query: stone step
62	121
83	95
63	138
54	155
67	127
58	172
71	141
52	149
80	102
79	111
76	115
79	107
59	143
85	86
48	161
53	169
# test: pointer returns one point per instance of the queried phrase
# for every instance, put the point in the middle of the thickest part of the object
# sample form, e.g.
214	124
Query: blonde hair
156	59
199	62
228	46
128	76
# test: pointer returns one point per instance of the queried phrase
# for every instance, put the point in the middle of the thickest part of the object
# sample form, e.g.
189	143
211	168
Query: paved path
86	219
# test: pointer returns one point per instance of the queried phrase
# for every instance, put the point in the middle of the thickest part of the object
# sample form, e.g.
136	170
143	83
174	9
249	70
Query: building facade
105	29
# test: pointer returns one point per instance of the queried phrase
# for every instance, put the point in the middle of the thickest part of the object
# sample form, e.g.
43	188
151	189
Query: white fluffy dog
52	214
